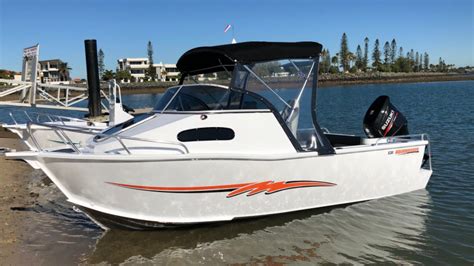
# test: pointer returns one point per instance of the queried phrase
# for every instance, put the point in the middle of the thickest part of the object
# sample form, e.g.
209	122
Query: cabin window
194	98
206	134
206	98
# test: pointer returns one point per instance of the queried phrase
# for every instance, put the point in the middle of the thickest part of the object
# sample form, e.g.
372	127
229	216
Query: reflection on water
52	232
364	232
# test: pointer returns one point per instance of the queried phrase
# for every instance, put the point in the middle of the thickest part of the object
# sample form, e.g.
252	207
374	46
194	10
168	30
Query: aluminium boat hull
189	189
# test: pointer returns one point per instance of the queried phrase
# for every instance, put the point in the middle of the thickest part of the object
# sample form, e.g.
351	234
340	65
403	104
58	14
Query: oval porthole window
206	134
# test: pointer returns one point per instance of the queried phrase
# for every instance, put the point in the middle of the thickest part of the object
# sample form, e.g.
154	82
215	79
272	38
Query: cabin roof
209	59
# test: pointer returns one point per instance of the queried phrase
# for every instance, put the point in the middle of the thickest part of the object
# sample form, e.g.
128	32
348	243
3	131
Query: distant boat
211	153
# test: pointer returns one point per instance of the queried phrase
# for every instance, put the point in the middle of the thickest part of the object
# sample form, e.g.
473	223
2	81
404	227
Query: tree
267	69
351	58
108	75
6	74
366	53
400	53
442	65
411	55
426	62
63	70
386	53
393	51
151	73
335	62
325	61
417	62
123	75
360	60
101	65
402	64
376	55
411	58
344	53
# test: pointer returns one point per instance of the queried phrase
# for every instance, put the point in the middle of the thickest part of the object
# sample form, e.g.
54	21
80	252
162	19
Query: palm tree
351	57
64	71
323	53
335	60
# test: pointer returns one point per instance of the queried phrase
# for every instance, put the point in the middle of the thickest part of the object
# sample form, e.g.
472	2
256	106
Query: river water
432	226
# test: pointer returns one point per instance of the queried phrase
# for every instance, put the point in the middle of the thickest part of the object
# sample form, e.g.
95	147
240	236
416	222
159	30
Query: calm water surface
432	226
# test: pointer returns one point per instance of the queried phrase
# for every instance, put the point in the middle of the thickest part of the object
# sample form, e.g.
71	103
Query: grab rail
393	139
59	130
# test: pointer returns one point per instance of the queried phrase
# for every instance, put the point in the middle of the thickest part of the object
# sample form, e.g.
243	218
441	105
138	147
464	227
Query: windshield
285	84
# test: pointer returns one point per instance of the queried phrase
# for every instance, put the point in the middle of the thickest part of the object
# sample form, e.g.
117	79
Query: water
432	226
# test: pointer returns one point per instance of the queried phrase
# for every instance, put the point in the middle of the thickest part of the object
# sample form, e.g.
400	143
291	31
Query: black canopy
211	58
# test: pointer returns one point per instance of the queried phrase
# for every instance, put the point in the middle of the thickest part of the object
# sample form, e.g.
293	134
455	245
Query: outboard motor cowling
384	120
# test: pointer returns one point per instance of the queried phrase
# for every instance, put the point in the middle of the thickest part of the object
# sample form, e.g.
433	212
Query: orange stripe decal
407	151
268	187
182	189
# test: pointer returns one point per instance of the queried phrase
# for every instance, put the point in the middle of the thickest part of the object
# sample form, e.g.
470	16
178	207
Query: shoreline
329	81
324	80
393	79
15	196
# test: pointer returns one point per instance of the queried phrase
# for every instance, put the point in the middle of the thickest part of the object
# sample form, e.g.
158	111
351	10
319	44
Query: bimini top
212	58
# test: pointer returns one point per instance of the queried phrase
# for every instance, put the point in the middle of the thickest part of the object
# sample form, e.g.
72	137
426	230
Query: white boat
212	153
46	138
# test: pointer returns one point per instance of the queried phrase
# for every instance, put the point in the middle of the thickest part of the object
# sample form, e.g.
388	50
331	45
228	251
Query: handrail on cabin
60	131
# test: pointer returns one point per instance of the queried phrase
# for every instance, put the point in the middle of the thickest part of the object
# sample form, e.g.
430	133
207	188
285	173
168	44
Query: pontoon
254	147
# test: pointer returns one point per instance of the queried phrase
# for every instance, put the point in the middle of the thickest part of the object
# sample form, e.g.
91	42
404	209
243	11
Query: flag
227	28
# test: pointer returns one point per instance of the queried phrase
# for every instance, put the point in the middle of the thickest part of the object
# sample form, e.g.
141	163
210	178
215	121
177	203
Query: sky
123	28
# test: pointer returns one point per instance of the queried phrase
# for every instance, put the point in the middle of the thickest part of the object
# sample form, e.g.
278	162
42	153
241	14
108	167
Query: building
168	72
53	71
137	67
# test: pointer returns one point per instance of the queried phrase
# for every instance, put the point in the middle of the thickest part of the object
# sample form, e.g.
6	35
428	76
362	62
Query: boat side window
194	98
238	100
206	97
206	134
123	125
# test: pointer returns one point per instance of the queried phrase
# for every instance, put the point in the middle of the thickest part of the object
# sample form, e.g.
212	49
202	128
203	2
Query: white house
137	67
50	72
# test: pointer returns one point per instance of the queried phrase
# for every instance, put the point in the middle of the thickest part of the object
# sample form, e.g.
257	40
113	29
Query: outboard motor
384	120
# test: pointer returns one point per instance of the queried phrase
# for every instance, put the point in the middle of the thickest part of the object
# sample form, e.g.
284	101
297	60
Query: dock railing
53	96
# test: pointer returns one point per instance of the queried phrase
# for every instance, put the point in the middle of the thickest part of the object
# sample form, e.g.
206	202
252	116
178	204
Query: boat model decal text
251	189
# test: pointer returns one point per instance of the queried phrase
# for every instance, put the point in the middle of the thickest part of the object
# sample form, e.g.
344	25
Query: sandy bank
14	197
